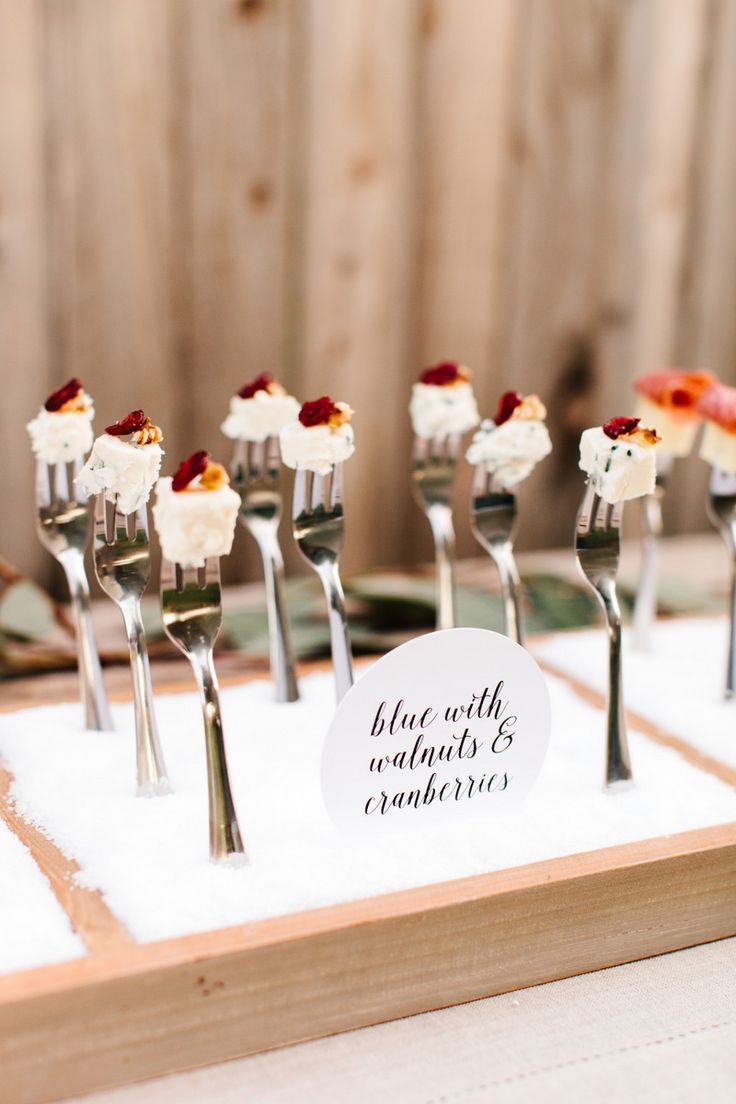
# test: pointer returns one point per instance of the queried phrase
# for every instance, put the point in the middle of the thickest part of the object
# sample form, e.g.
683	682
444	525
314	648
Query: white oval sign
451	725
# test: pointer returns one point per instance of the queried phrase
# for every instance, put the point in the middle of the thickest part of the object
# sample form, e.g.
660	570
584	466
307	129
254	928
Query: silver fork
64	526
645	606
597	548
191	604
318	527
123	567
433	476
722	512
493	520
255	471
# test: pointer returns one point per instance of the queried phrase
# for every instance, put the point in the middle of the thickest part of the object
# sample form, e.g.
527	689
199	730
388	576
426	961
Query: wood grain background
342	191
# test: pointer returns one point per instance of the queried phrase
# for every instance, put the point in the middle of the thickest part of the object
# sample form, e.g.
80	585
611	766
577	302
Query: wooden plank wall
338	191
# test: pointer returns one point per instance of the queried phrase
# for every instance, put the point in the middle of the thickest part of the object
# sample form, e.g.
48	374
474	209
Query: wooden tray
130	1011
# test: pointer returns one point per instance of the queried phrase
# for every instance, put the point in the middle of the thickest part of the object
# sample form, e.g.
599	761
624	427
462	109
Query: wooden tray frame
129	1011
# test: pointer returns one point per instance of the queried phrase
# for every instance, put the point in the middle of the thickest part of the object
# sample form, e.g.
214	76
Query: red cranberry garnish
441	375
618	426
189	469
507	404
318	412
129	424
260	383
65	394
681	397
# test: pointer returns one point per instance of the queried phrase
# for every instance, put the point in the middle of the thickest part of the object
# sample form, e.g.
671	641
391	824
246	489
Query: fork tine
601	514
320	489
212	570
480	481
104	519
130	526
168	574
420	451
453	447
616	515
299	498
61	483
437	447
273	456
585	513
201	573
337	483
43	484
258	458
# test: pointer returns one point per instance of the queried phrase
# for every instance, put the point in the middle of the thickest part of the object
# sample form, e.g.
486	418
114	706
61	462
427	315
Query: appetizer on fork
442	408
120	472
260	409
511	445
442	401
195	515
61	436
320	437
505	451
195	512
316	445
125	462
718	406
669	399
258	412
618	459
61	432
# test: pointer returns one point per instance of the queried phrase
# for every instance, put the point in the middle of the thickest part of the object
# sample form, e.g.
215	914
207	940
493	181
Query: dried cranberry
189	469
617	426
129	424
65	394
260	383
318	412
507	404
680	397
441	375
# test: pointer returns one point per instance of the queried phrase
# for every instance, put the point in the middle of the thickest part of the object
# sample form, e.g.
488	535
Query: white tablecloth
659	1030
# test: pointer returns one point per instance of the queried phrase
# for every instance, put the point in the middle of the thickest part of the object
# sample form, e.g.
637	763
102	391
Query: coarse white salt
34	929
149	857
678	684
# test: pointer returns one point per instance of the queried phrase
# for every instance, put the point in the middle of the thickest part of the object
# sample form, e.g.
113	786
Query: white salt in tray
677	684
187	963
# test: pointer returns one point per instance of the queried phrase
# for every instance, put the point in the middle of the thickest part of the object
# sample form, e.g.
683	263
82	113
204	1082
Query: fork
318	526
123	567
434	462
493	520
64	526
255	473
597	548
722	512
645	606
191	604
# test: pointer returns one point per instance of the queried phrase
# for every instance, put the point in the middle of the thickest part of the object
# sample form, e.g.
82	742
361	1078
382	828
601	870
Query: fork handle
342	660
645	606
510	593
92	689
618	763
225	837
731	669
443	532
151	771
283	664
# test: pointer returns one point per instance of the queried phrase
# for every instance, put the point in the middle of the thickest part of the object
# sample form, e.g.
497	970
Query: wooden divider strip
90	916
